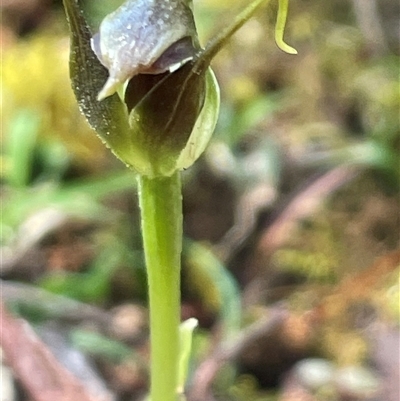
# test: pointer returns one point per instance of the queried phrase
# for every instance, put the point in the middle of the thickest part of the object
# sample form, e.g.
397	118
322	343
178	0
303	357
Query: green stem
160	201
217	43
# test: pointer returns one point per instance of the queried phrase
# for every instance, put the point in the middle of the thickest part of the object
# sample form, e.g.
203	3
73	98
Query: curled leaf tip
280	28
286	48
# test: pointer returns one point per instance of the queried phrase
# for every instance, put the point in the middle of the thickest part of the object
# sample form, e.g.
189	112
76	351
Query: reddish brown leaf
38	371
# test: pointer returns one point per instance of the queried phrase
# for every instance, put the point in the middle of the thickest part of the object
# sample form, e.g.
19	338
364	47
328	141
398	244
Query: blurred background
291	217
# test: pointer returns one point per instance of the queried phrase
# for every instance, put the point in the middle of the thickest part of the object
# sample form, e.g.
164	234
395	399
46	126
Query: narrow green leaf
99	345
205	264
185	341
19	147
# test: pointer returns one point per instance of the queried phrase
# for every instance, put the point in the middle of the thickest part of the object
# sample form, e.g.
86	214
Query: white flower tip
109	88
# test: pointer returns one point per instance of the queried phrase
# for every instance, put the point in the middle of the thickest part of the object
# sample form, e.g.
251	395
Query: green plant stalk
160	201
